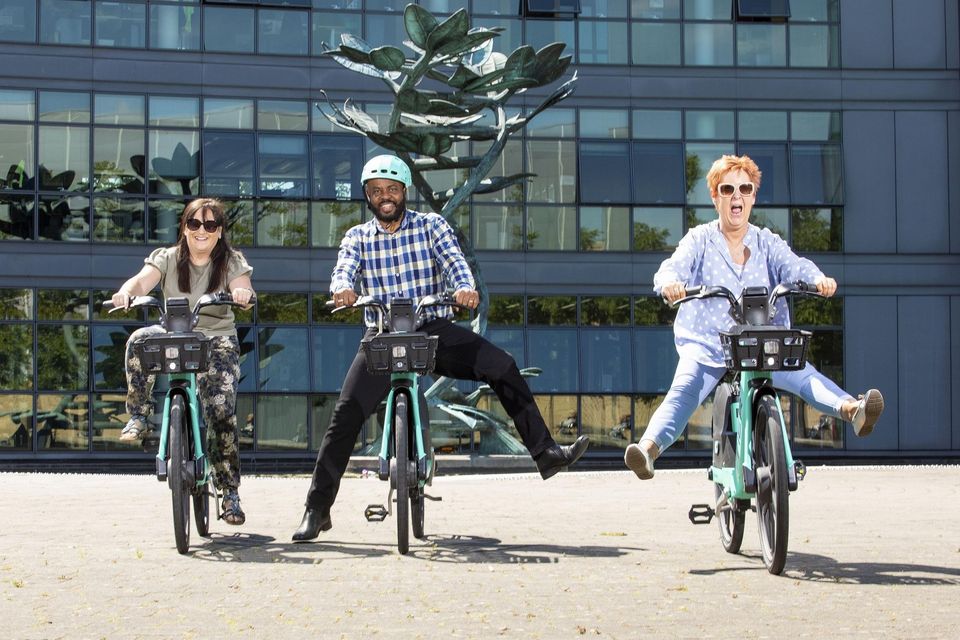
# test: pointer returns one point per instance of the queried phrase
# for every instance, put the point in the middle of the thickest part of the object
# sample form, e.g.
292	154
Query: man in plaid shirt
404	253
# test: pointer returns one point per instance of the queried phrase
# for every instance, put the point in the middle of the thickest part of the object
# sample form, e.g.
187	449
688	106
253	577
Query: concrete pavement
874	552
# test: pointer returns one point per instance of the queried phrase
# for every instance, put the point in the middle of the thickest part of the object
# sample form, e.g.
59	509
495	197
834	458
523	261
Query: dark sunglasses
208	225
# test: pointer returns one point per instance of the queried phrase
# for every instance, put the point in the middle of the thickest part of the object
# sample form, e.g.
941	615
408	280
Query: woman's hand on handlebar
121	299
826	286
673	291
344	298
469	298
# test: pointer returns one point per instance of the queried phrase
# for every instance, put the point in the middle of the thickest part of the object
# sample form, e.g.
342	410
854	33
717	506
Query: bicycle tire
773	492
731	521
417	504
201	498
401	456
178	477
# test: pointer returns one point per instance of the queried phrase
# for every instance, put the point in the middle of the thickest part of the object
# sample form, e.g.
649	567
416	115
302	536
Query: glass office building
114	113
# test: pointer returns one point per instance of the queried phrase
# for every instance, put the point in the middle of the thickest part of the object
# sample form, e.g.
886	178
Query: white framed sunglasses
727	189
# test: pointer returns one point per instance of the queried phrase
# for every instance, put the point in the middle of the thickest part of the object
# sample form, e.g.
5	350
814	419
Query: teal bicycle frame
184	386
407	384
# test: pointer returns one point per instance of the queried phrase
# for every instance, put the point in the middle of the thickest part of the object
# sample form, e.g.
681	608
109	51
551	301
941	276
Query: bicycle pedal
434	498
800	468
701	513
375	513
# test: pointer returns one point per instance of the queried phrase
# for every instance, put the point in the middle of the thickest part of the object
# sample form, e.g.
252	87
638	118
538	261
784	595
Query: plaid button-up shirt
420	258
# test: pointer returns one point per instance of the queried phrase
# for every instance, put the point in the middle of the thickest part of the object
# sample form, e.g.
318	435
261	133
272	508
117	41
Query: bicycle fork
185	386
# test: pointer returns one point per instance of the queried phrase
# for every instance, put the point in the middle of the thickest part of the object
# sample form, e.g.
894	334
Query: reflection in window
816	173
708	44
337	161
333	351
118	109
605	310
16	356
18	21
553	123
604	172
16	420
285	308
117	220
64	22
64	158
63	304
283	165
606	362
120	24
602	42
604	229
551	228
283	32
16	150
554	351
540	33
108	415
164	221
816	229
561	415
604	123
60	106
331	220
776	220
282	115
228	160
281	422
508	163
555	163
227	113
170	111
772	160
282	223
607	420
700	157
239	222
505	310
498	227
818	126
656	124
16	304
709	125
657	229
16	105
118	159
654	353
385	28
16	218
658	172
328	27
656	44
64	218
283	359
174	165
63	422
761	45
552	310
812	429
655	9
228	29
762	125
652	311
814	46
174	27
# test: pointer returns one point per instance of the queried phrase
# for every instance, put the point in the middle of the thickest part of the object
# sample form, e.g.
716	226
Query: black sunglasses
208	225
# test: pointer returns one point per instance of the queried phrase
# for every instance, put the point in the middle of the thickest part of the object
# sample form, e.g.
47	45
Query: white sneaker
867	412
638	460
134	429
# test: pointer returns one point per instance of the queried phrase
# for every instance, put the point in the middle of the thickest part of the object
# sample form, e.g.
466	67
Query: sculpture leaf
453	29
419	23
387	58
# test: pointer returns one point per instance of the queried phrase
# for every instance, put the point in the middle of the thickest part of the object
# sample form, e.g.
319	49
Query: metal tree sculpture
424	123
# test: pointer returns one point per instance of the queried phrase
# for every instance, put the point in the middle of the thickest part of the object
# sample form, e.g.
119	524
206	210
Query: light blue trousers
693	382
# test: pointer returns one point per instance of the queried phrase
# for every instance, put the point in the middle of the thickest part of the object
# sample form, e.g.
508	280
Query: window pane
117	220
16	218
552	310
385	29
555	164
820	126
228	29
604	172
817	230
508	163
709	125
282	223
814	10
762	125
775	179
64	218
657	229
602	42
333	351
337	161
761	45
282	115
16	304
64	158
776	220
283	359
700	157
118	159
551	228
706	9
228	160
118	109
281	423
18	21
652	311
226	113
168	111
604	123
108	415
164	221
553	123
506	310
655	9
283	165
173	27
658	172
174	166
708	44
560	414
64	22
248	356
62	356
59	106
63	304
816	173
239	222
606	360
498	227
607	420
656	124
603	8
62	422
283	32
814	46
16	425
331	220
328	27
285	308
656	44
16	156
16	357
540	33
120	24
554	351
605	310
604	229
16	105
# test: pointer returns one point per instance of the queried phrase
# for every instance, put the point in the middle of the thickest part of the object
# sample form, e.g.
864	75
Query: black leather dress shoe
557	458
314	521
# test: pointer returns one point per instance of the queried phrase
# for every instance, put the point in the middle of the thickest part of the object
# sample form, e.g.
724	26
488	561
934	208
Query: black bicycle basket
400	352
752	348
173	353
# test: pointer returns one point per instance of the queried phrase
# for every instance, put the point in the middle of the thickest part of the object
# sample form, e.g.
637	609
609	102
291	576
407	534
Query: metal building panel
866	34
922	182
869	216
919	35
923	347
870	360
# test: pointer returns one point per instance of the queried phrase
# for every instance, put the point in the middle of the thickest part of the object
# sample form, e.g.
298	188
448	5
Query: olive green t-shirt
215	320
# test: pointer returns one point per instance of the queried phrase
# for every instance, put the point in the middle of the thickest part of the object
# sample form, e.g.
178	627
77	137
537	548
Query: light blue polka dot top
702	258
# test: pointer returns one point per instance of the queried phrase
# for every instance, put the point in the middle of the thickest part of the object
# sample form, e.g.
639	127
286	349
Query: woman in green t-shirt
201	262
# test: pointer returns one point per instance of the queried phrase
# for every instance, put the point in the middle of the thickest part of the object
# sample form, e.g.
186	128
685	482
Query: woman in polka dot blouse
733	253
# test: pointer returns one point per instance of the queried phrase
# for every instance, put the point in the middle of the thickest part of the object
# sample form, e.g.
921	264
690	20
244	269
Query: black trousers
461	354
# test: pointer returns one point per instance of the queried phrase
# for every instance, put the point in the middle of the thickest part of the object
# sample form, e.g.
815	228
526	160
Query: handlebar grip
806	287
106	305
693	291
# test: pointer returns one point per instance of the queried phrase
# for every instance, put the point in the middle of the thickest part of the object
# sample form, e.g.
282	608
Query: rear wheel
179	476
401	459
416	509
201	498
730	518
773	493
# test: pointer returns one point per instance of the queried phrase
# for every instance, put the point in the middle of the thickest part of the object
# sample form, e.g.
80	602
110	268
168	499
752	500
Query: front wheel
179	476
773	492
731	518
401	459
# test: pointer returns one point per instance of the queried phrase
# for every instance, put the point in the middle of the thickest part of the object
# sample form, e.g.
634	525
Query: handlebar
175	314
401	314
754	306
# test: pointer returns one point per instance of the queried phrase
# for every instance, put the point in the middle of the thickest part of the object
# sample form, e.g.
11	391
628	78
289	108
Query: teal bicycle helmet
389	167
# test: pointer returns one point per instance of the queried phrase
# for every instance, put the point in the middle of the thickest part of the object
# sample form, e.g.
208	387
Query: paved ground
875	552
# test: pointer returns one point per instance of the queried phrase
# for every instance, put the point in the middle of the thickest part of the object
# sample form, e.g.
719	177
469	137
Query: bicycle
752	459
406	457
181	353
